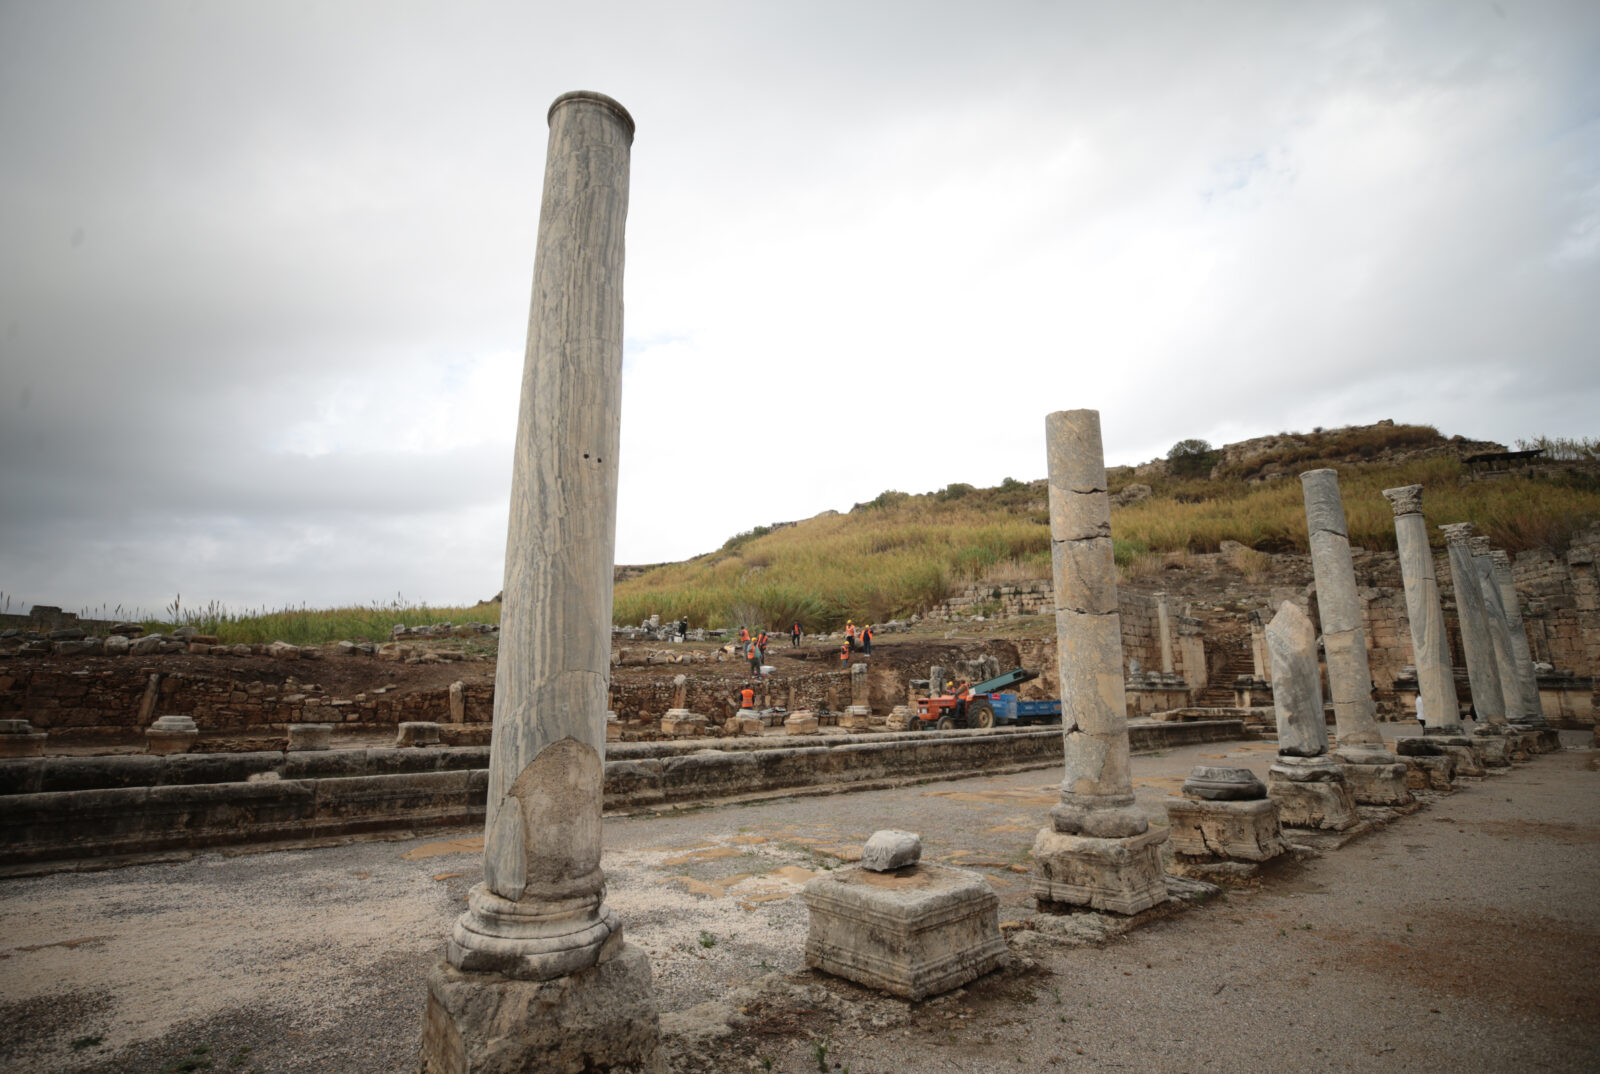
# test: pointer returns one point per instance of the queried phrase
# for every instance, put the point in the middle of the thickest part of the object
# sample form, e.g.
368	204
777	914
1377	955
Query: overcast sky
265	266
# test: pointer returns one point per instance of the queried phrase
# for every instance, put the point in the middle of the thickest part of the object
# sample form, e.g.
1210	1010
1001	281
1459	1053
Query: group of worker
855	638
755	648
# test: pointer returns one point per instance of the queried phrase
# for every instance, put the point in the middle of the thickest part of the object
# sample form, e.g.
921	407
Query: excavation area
1455	934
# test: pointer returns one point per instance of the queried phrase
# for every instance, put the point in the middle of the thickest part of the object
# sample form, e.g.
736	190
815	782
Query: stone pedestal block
682	723
1492	751
171	734
1123	875
1377	784
417	733
1319	803
19	739
613	727
1429	772
800	723
1225	830
600	1019
858	717
915	932
310	736
745	723
899	718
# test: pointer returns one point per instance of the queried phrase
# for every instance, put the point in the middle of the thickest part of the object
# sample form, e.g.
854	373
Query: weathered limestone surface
915	932
682	723
1532	710
1296	684
1099	850
800	723
891	849
19	739
1225	830
1376	776
310	736
1499	630
539	913
417	733
1217	783
171	734
1165	627
606	1021
1309	787
1488	703
1430	646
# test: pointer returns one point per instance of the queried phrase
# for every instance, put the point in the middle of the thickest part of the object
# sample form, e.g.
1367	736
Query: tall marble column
1522	653
537	962
1310	788
1430	647
1376	776
1499	630
1488	703
1100	850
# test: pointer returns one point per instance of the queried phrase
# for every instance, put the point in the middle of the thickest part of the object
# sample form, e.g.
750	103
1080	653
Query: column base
1320	803
1377	784
1225	830
683	724
602	1019
857	716
1123	875
1492	750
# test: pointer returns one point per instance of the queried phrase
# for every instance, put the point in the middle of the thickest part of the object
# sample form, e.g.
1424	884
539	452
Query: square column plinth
913	932
1377	784
599	1019
1227	831
1123	875
1312	803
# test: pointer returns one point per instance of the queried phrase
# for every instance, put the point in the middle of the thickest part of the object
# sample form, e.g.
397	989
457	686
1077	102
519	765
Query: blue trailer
986	705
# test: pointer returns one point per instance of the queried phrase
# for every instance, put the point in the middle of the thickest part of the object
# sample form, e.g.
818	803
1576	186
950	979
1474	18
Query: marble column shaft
1430	646
1499	630
1488	703
1522	652
540	912
1097	793
1344	640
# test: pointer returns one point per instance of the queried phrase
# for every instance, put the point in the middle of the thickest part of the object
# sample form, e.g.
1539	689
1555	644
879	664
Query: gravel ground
1460	936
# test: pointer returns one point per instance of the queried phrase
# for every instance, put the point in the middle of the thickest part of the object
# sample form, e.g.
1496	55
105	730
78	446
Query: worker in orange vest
866	638
794	636
754	656
850	634
761	643
744	635
844	654
747	698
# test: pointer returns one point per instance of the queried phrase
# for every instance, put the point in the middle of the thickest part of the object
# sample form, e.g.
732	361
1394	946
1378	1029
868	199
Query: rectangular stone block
1123	875
1223	830
914	932
1312	804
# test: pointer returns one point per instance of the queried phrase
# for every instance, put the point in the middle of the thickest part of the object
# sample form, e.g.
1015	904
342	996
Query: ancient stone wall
117	701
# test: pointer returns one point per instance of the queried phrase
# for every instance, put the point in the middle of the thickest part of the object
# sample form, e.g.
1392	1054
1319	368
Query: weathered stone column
1165	626
859	714
1309	787
1436	682
1099	850
537	970
1532	711
1488	703
1258	647
1376	776
1499	634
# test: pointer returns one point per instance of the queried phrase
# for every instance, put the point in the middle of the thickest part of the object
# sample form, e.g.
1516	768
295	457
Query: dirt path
1461	937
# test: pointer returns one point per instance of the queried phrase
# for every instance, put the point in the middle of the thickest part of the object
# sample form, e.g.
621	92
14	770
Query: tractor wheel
946	722
980	714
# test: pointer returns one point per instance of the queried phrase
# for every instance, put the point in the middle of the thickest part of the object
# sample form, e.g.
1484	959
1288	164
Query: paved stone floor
1460	937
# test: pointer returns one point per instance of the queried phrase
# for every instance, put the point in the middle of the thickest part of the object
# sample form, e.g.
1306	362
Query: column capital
1479	545
1406	500
1455	532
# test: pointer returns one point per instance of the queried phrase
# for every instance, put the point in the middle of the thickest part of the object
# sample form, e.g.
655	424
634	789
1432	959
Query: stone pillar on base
1531	709
679	721
1164	627
859	715
536	974
1099	850
1308	785
1483	675
1376	776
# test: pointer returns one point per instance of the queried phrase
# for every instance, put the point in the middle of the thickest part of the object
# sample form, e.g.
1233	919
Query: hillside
901	553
